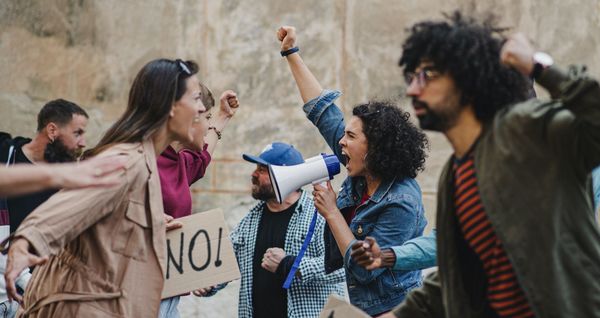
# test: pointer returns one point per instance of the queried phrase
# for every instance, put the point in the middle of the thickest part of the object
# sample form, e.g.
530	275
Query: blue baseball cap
277	153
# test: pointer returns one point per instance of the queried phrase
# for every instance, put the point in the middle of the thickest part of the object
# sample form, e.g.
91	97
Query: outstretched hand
287	36
96	172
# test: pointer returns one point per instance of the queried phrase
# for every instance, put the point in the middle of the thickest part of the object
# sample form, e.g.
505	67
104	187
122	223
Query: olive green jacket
533	163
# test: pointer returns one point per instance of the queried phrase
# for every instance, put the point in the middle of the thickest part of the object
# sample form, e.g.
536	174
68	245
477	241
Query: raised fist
287	36
517	53
229	102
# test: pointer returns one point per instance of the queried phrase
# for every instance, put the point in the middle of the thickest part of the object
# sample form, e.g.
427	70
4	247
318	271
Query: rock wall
89	52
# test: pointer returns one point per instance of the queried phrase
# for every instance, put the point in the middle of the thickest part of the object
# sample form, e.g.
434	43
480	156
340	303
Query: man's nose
413	88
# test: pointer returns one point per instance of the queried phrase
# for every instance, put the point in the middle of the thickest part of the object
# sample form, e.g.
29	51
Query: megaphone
287	179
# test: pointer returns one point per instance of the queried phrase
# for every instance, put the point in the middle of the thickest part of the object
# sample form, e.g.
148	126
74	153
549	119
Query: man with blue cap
267	240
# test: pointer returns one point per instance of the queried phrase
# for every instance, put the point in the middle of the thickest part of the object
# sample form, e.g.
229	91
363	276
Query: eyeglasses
183	66
423	76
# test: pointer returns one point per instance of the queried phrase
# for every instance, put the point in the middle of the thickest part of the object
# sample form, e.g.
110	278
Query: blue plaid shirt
308	293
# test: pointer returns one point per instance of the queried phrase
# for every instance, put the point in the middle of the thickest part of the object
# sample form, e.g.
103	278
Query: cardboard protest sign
338	307
199	254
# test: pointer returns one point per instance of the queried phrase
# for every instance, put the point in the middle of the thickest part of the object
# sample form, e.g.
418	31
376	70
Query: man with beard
266	241
516	234
59	138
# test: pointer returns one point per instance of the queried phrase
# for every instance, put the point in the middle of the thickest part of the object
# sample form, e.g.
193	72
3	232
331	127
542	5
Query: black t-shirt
19	207
268	296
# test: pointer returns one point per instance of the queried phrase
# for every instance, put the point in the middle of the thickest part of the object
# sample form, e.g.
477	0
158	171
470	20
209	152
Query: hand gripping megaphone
287	179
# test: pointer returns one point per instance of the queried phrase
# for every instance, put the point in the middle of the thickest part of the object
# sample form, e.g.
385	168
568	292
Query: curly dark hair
469	51
396	147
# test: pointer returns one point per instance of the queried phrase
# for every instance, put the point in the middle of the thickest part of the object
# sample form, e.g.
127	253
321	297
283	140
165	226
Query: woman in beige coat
101	252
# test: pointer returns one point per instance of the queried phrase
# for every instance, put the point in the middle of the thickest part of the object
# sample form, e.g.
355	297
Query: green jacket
533	163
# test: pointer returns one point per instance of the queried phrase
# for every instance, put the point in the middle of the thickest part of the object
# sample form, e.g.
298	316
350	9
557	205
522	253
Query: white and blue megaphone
287	179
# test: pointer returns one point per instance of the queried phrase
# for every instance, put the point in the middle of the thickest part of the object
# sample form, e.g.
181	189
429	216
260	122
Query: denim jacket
393	215
418	253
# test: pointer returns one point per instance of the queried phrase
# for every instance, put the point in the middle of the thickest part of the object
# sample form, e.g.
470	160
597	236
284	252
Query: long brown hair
155	88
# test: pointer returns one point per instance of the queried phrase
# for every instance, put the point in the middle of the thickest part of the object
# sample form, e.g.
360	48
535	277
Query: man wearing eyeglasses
516	235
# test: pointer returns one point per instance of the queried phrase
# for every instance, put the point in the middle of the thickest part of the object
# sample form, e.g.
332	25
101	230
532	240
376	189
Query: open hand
95	172
19	258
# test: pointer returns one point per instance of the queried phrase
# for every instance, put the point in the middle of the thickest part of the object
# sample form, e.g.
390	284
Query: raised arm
576	92
228	106
319	104
308	85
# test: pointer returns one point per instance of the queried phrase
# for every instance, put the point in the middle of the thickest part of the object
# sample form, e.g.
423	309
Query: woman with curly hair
383	152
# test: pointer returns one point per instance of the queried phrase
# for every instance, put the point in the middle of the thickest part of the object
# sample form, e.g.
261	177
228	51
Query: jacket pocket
131	233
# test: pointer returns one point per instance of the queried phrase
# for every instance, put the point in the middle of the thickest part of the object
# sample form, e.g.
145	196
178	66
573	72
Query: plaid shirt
308	293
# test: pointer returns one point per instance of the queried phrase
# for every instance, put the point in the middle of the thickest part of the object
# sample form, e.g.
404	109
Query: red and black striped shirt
503	291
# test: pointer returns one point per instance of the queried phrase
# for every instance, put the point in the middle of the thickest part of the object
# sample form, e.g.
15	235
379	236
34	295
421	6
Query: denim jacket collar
354	187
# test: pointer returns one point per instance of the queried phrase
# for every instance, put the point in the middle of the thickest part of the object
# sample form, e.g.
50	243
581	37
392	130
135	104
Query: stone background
89	52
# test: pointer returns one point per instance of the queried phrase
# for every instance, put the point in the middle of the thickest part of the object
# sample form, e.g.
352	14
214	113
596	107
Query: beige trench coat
106	246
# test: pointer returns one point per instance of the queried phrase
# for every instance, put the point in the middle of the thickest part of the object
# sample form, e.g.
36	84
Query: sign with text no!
199	254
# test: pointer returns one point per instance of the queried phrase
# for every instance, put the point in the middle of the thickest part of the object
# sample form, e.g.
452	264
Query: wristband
290	51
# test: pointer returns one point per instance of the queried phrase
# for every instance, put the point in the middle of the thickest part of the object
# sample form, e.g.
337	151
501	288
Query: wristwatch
541	61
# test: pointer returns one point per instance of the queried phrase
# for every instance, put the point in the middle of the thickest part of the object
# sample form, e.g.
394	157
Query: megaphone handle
294	269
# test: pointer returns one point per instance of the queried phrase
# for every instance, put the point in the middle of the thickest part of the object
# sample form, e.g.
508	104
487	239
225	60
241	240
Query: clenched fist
229	102
287	36
517	53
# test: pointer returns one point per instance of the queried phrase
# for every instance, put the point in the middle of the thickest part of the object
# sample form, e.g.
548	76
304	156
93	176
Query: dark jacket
533	164
6	141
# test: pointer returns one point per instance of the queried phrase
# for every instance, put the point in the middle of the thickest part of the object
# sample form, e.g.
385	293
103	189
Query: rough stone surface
89	52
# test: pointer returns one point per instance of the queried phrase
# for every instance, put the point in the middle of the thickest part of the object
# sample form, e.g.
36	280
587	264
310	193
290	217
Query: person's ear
172	111
52	131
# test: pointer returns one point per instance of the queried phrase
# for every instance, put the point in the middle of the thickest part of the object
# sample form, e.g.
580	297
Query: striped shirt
504	293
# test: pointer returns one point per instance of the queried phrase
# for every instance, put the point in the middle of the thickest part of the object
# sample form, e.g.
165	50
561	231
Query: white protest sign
338	307
199	254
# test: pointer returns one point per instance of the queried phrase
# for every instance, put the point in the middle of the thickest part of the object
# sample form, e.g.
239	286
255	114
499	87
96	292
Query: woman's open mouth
345	159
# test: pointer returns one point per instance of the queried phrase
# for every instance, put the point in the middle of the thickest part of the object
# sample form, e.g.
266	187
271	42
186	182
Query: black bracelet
290	51
216	131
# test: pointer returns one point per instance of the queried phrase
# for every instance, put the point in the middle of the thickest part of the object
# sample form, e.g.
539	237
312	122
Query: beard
436	120
261	191
57	152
